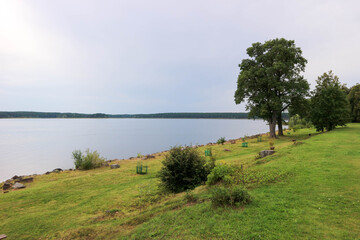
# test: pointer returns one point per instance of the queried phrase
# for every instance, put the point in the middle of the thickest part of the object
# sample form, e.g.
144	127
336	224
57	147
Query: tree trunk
272	126
280	127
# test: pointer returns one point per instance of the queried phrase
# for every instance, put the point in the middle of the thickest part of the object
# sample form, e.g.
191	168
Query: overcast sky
141	56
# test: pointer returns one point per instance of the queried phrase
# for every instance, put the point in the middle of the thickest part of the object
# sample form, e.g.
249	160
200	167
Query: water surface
30	146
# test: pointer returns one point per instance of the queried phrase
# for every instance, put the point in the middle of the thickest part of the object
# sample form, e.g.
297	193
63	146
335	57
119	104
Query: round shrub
220	173
183	168
235	196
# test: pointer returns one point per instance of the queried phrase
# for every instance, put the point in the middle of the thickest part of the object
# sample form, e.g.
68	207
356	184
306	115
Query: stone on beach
27	180
18	186
16	177
265	153
113	166
147	157
6	186
3	236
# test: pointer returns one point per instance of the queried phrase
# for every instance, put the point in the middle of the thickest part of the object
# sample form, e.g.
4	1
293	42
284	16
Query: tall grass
88	160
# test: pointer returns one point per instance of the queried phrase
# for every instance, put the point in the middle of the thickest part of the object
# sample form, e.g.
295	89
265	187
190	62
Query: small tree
354	100
329	105
183	168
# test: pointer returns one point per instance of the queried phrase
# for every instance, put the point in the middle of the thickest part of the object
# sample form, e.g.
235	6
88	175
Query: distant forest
50	115
224	115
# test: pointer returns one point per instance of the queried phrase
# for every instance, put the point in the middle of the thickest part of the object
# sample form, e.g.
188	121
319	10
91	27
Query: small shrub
235	196
210	164
183	168
77	156
220	173
221	141
296	122
88	160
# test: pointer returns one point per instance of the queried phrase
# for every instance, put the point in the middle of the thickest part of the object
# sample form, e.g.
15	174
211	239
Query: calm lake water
30	146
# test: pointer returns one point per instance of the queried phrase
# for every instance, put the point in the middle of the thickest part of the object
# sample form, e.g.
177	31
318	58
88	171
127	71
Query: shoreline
147	156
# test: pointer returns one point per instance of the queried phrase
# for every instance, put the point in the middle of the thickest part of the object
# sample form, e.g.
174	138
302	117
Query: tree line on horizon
270	82
193	115
29	114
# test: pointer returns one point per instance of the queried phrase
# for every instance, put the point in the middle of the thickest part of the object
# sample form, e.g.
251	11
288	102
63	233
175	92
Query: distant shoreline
178	115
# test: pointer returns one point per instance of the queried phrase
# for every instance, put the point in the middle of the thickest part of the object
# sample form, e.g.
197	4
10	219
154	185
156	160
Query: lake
29	146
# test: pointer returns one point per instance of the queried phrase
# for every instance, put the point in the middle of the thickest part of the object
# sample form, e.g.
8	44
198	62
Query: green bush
183	168
296	122
220	173
235	196
221	141
77	156
210	164
88	160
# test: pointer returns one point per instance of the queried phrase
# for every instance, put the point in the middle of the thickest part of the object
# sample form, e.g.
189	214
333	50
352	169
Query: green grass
305	191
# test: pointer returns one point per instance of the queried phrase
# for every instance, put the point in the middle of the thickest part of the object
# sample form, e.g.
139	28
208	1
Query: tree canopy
354	100
329	105
270	80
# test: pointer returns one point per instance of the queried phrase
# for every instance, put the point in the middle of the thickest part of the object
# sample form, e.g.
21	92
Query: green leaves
270	79
354	100
89	160
329	105
183	168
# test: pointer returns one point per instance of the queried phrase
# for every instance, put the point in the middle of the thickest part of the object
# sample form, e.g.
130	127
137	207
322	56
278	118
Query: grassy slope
318	198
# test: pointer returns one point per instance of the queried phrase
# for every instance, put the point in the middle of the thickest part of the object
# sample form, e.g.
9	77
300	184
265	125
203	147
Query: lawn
308	190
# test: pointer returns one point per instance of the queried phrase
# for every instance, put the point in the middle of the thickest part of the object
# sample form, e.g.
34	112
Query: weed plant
221	141
87	160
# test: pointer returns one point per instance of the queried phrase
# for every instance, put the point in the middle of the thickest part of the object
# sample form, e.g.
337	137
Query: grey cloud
156	56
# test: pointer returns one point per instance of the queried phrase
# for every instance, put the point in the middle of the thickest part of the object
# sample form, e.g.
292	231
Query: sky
141	56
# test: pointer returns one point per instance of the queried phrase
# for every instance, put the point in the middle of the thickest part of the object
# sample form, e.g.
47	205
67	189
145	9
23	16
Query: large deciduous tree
270	80
354	100
329	104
